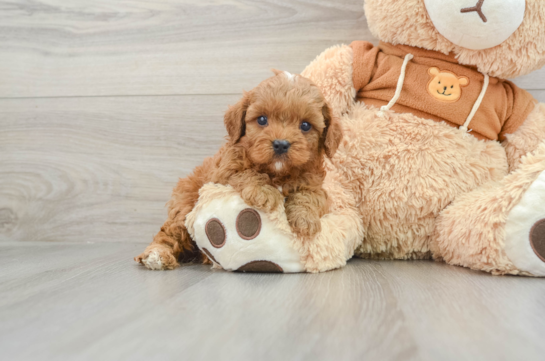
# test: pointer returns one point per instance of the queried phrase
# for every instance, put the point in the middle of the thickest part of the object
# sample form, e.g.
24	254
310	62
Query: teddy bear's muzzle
476	24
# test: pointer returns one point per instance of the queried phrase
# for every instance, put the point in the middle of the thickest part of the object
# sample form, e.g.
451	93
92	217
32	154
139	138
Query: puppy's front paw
305	225
265	198
157	258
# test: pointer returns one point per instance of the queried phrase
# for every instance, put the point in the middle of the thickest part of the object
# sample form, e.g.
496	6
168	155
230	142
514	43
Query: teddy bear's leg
341	233
342	230
499	227
237	237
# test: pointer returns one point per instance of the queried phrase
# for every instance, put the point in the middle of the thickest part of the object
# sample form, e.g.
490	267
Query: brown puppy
278	135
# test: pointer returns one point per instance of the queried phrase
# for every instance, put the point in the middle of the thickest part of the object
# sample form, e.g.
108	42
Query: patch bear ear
433	71
235	118
464	81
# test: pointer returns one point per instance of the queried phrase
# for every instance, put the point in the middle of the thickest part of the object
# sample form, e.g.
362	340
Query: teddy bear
442	157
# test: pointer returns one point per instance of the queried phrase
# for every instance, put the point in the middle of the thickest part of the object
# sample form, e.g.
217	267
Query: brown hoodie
437	87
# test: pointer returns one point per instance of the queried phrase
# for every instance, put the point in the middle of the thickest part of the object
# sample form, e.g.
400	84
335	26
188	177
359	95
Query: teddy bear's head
503	38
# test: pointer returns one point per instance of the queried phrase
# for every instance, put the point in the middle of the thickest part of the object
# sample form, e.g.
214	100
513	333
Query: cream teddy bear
442	157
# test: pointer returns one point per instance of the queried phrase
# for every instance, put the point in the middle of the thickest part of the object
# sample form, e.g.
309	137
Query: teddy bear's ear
433	71
464	81
234	118
333	134
276	71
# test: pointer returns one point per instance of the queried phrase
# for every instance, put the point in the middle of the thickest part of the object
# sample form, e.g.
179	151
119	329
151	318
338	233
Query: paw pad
207	252
248	224
261	267
537	238
215	231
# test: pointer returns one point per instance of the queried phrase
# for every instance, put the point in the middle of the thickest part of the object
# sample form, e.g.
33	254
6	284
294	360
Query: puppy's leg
256	190
164	251
304	210
173	241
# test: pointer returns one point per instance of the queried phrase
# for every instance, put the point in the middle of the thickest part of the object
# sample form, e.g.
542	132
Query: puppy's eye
306	127
262	120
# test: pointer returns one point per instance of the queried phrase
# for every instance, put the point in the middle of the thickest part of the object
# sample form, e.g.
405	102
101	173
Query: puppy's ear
333	134
234	118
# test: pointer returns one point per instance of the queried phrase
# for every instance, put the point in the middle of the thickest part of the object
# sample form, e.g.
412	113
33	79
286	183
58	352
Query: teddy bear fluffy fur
425	189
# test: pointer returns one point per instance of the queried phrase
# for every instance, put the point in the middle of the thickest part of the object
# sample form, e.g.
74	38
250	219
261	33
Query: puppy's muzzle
281	146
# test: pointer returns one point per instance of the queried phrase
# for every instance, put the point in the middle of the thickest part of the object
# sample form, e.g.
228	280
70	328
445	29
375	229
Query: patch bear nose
445	88
281	146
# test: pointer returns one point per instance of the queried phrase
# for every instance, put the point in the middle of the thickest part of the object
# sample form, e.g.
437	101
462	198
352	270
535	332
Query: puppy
278	135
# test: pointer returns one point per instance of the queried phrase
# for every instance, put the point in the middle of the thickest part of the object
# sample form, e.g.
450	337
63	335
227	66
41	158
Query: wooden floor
79	301
103	105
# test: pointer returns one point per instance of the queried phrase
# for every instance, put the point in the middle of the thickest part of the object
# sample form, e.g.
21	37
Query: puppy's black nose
281	146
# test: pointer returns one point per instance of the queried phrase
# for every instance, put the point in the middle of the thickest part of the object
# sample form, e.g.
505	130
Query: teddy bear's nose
477	8
445	88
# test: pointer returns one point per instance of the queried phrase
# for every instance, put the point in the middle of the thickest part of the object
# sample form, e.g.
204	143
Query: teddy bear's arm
332	72
526	138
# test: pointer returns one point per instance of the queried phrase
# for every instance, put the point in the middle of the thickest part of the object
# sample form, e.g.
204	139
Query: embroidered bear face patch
445	85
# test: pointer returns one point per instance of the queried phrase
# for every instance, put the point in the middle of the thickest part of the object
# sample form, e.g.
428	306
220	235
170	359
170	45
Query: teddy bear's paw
157	259
525	230
236	237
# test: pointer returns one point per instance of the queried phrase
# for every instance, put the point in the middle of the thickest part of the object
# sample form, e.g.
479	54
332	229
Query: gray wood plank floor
73	301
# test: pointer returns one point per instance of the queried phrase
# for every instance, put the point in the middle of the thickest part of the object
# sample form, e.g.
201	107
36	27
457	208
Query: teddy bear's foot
236	237
525	230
